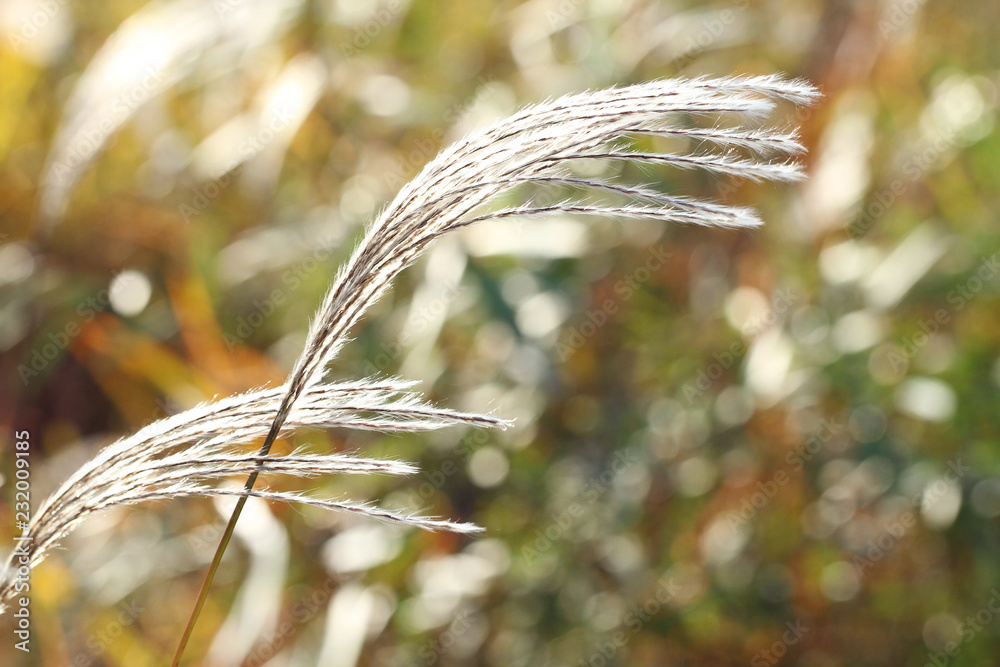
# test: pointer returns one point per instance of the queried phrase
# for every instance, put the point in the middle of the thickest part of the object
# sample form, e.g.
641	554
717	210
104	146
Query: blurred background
773	447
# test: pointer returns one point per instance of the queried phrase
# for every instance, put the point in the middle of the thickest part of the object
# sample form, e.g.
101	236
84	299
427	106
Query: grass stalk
227	535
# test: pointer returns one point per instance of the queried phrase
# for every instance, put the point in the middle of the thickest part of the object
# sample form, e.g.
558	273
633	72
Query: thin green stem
279	419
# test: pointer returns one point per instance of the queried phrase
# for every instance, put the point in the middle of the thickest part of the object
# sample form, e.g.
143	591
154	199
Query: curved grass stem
227	535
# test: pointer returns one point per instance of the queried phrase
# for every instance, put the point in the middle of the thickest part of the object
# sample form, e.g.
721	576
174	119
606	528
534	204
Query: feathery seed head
536	147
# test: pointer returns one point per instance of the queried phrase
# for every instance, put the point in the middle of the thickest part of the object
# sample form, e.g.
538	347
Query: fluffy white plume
536	147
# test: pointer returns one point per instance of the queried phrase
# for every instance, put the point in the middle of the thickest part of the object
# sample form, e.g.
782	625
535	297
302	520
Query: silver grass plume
181	455
175	456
